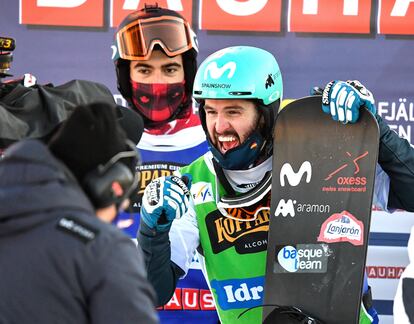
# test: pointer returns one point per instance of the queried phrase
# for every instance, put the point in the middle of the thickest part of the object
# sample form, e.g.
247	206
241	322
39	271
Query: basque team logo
301	258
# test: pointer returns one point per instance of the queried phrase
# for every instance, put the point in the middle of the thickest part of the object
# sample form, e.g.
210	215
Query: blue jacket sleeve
163	274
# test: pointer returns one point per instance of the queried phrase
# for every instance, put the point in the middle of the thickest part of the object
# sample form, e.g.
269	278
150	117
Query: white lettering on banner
245	8
191	302
60	3
190	299
176	5
350	7
216	72
395	112
309	16
400	8
310	7
293	177
207	300
243	293
384	272
174	301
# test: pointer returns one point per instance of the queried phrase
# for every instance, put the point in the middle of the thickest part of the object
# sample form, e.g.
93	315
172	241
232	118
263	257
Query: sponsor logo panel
202	192
301	258
245	237
342	227
347	177
290	207
295	178
239	293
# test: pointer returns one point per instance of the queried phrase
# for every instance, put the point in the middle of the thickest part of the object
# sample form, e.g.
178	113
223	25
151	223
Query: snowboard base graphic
322	188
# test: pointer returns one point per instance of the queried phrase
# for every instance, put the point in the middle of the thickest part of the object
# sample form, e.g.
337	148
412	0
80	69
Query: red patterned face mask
158	101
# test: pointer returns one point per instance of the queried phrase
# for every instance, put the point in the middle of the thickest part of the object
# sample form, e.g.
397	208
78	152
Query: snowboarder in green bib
219	205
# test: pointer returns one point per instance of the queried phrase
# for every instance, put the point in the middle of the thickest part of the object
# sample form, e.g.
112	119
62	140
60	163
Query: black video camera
7	46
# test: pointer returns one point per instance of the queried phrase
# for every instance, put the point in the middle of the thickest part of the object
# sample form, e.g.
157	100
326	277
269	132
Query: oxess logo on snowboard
244	236
346	177
342	227
302	258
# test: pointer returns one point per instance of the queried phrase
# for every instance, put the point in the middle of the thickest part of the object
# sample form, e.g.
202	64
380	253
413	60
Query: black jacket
36	111
58	262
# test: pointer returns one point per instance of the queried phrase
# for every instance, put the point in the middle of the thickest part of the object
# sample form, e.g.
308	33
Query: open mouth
227	142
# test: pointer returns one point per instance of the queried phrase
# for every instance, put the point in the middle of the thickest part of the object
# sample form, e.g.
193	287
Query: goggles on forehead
136	40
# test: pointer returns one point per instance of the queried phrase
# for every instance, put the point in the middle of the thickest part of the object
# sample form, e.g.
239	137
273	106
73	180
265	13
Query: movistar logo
216	72
293	177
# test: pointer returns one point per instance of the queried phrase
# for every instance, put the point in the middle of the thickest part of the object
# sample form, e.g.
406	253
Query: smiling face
230	122
160	68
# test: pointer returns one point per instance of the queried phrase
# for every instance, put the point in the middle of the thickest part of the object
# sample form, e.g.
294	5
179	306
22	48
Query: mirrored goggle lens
136	40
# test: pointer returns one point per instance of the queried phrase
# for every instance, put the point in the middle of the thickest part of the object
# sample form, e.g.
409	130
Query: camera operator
31	110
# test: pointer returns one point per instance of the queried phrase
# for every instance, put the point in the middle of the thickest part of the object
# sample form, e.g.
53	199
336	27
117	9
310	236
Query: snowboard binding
286	315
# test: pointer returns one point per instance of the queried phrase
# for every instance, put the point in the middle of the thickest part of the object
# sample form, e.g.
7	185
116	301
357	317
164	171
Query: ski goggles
136	40
230	202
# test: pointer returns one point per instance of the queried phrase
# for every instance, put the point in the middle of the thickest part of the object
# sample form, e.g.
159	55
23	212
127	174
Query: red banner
84	13
249	15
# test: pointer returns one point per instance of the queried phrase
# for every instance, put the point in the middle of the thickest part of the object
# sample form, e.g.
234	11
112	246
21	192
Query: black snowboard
322	188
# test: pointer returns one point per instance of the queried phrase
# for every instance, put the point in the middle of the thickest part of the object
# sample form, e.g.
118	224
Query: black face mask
158	101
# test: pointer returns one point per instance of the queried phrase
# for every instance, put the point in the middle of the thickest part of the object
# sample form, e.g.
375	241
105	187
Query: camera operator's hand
164	200
342	100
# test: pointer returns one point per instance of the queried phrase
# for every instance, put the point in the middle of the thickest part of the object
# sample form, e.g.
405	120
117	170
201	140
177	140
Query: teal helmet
242	72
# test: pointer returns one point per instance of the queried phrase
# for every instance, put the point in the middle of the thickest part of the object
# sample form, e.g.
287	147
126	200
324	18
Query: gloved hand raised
342	100
164	200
